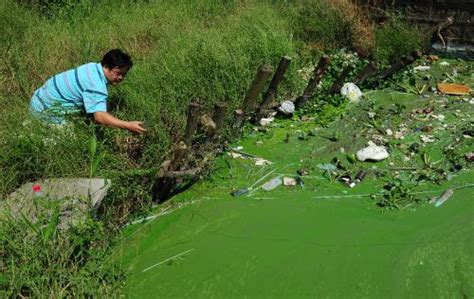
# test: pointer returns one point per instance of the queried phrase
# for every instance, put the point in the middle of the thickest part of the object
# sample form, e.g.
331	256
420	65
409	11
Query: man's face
115	75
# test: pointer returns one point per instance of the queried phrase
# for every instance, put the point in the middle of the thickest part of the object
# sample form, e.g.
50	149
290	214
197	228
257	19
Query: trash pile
402	141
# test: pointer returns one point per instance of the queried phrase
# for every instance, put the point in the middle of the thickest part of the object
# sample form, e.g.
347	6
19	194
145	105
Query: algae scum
322	238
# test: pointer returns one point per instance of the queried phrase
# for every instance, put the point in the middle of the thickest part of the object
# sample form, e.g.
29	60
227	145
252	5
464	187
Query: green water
297	247
323	240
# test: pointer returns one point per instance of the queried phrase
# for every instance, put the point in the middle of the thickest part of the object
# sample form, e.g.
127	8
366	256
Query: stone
207	123
372	153
74	196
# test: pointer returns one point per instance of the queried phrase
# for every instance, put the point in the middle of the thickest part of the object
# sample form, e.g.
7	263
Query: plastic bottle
272	184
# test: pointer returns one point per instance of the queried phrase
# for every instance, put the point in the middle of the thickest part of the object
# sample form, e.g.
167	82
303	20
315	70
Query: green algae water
322	239
299	247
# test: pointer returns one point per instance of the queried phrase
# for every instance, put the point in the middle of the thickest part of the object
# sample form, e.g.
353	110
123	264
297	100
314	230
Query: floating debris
261	162
287	181
469	156
372	153
421	68
453	89
266	121
427	139
287	107
272	184
327	167
352	92
302	172
444	197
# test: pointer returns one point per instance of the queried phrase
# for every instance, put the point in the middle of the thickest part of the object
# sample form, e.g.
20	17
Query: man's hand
136	127
108	119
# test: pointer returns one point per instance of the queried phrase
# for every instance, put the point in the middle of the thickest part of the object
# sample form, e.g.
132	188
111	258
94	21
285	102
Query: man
84	89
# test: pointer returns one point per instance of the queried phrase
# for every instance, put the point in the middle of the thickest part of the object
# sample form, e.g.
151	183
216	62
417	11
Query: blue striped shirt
83	89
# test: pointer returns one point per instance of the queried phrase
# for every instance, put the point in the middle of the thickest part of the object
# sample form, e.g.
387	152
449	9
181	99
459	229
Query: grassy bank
204	51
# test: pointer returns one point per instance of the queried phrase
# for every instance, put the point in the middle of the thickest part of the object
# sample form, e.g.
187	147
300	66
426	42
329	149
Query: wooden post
165	184
313	82
238	121
397	66
368	71
336	86
192	123
256	88
220	110
271	92
178	155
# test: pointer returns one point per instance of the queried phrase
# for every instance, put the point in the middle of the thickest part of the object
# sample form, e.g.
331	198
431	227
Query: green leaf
96	162
93	145
52	225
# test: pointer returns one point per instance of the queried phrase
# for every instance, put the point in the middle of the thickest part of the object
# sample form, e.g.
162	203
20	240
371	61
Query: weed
395	39
39	258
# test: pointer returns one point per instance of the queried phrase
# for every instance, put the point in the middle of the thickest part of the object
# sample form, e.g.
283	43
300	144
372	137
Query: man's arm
108	119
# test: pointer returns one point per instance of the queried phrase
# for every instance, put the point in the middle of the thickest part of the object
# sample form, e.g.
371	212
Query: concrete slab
74	196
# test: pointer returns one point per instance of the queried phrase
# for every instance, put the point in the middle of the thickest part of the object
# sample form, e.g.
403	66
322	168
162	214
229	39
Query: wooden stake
368	71
256	88
238	121
397	66
336	86
313	82
271	92
220	110
192	122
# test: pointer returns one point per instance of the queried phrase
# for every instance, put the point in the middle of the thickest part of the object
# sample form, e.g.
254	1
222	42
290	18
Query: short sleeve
95	101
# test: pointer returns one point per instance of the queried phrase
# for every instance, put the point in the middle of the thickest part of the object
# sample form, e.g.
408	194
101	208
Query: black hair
116	58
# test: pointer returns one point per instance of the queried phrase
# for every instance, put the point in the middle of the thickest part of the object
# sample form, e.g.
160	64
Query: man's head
116	64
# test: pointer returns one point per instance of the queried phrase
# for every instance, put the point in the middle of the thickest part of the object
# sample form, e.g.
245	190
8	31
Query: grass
204	51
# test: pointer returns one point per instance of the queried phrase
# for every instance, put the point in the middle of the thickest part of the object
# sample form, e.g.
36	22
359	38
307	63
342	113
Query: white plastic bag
287	107
351	91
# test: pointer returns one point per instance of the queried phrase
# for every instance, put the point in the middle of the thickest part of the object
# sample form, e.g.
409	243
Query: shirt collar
101	73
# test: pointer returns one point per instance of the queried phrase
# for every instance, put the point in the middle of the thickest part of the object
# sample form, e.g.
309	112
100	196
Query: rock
207	123
372	153
389	132
74	196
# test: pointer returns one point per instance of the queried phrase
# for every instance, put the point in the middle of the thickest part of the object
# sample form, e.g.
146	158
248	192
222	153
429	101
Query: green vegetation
396	39
205	51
